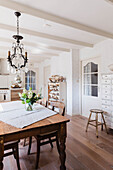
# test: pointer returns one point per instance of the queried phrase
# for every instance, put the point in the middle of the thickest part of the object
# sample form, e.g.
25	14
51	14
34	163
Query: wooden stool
96	111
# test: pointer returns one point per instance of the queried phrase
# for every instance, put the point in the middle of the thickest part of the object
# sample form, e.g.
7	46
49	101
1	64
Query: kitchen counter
16	88
4	88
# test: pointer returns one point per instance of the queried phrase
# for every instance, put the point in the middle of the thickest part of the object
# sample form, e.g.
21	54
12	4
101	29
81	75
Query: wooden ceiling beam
60	20
35	45
46	36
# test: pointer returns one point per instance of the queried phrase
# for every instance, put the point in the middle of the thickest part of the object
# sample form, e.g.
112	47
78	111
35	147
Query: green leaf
30	88
28	100
23	102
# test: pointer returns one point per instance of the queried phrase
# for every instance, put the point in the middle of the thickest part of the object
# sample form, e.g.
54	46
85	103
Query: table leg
1	152
62	146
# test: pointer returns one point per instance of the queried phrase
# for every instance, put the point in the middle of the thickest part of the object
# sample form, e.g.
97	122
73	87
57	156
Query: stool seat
96	111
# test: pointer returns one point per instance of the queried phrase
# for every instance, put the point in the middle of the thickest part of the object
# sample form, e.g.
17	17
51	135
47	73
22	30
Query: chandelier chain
17	25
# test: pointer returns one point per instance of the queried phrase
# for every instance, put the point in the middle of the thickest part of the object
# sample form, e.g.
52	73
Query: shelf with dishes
57	89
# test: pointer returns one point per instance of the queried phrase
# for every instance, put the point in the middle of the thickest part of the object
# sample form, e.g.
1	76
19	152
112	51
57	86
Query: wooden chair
14	147
58	105
49	137
43	102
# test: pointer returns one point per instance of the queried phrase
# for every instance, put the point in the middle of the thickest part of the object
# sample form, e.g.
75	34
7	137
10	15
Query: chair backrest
58	107
43	102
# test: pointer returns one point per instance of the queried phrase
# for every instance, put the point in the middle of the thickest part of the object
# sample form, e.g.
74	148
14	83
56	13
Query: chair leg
16	156
50	142
38	153
30	142
104	123
96	125
88	121
24	142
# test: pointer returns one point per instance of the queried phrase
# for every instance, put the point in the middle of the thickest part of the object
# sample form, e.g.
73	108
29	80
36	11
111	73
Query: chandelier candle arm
8	53
25	54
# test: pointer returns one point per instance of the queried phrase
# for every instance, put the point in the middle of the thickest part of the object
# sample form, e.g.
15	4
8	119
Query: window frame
32	80
91	86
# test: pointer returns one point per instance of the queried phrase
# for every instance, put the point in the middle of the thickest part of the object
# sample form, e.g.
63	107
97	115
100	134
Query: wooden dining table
57	122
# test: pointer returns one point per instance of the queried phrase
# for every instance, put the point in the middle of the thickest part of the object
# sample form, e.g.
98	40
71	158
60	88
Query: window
91	79
30	80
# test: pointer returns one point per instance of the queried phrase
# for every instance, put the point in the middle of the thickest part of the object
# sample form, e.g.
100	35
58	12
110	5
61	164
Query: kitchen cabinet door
3	81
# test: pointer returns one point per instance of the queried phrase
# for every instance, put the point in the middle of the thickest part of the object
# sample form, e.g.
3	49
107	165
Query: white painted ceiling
97	14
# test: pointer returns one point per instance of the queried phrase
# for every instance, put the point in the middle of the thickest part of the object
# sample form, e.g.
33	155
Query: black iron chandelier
17	61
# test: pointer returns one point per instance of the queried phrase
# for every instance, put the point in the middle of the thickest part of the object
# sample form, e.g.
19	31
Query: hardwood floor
84	150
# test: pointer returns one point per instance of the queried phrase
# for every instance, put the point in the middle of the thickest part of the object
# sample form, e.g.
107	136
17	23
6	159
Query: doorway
90	85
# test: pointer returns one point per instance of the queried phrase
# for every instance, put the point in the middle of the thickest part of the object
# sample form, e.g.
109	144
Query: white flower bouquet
29	97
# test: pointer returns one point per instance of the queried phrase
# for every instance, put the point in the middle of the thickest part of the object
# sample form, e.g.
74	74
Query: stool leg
104	123
102	127
96	125
88	121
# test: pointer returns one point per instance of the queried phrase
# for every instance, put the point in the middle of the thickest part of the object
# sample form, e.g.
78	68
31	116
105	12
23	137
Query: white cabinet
106	87
106	82
107	97
3	81
105	77
3	64
106	92
106	102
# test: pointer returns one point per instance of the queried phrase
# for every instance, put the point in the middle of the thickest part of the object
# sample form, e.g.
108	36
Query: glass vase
29	107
